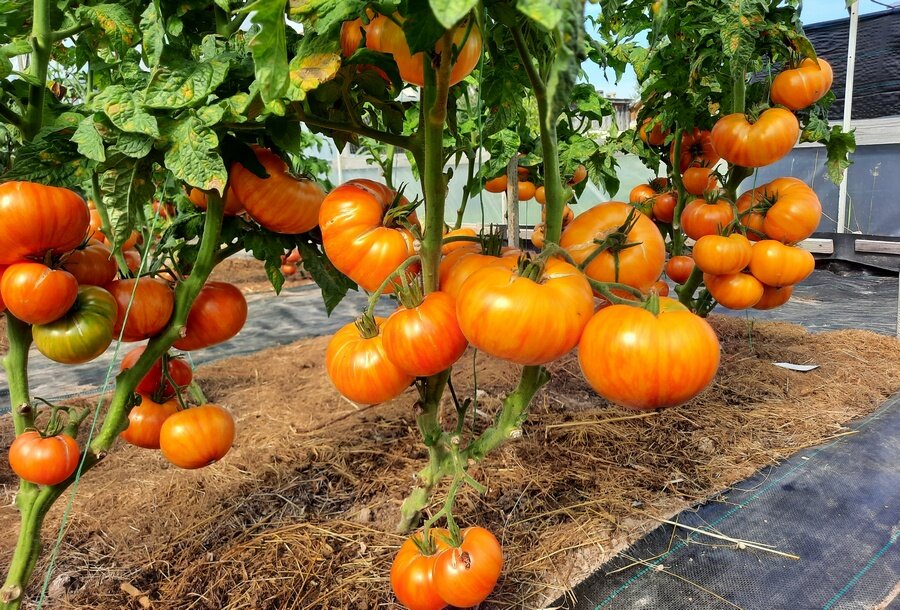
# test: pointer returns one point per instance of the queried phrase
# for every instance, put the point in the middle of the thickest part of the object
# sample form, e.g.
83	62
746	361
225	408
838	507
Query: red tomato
698	180
642	361
411	573
696	149
44	461
679	268
282	202
132	259
355	237
735	290
155	381
145	422
638	265
218	314
498	311
756	144
37	294
660	288
92	264
426	339
720	255
197	437
233	205
294	257
664	207
699	217
776	264
288	269
804	85
359	367
464	576
35	219
786	210
150	311
774	297
657	135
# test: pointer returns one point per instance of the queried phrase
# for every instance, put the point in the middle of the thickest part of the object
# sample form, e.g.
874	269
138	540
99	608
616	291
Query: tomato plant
157	382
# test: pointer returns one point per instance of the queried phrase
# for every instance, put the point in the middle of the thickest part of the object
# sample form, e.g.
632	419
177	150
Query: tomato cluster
434	573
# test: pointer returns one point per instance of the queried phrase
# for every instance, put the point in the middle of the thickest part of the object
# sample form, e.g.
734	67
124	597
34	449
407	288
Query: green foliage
268	47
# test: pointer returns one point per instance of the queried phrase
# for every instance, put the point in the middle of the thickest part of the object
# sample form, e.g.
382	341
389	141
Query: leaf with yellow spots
184	84
310	71
115	24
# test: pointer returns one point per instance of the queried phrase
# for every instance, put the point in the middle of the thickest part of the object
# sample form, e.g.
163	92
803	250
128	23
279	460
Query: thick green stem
16	364
467	194
97	194
739	92
686	291
410	143
33	504
41	41
388	168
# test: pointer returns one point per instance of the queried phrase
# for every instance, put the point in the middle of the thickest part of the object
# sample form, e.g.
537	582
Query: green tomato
84	332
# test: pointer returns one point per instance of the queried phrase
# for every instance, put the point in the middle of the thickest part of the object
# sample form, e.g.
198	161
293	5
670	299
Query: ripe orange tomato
776	264
523	172
540	196
734	290
720	255
197	437
92	264
464	576
696	149
657	135
386	36
785	209
802	86
679	268
351	36
411	572
288	269
447	248
660	288
498	311
756	144
355	237
497	185
35	219
424	340
578	176
644	361
538	236
233	205
2	304
774	297
282	202
218	314
526	190
145	422
37	294
44	461
638	265
699	217
698	180
155	380
150	311
457	268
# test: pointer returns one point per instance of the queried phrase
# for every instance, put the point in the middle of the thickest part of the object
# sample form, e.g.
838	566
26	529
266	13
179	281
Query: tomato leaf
269	47
125	193
182	84
89	141
450	12
333	284
192	154
840	146
134	145
326	15
546	13
154	31
318	61
421	29
52	159
114	32
125	110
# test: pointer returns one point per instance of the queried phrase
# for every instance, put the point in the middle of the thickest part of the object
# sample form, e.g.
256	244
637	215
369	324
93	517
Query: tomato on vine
44	460
803	86
755	144
774	297
698	180
36	219
786	210
696	149
776	264
145	422
233	205
218	314
150	308
465	575
156	381
37	294
679	268
720	255
91	264
734	290
83	332
706	217
197	437
412	571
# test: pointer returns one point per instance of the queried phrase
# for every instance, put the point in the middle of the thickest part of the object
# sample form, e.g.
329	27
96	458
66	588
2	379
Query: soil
301	513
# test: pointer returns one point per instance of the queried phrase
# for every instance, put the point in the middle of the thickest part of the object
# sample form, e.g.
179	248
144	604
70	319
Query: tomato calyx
367	326
410	293
55	425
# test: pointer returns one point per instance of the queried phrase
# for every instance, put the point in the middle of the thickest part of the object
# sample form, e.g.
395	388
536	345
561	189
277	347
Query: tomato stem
388	281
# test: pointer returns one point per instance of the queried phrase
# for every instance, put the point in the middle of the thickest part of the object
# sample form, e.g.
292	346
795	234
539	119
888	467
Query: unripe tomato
700	217
734	290
155	380
756	144
720	255
145	422
35	219
802	86
82	333
464	576
679	268
150	311
776	264
644	361
411	573
92	264
218	314
37	294
426	339
197	437
44	461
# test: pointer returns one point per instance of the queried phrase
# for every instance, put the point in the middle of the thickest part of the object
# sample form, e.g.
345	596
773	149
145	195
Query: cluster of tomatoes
745	248
432	574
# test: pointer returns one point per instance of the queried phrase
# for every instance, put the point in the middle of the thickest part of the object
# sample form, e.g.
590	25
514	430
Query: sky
813	11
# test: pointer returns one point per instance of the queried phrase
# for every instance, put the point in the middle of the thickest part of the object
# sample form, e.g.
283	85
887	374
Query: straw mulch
301	513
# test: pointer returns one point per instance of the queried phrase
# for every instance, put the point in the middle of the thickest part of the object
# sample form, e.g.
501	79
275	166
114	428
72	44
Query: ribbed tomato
354	234
412	571
698	180
2	304
656	136
774	297
155	380
93	264
456	268
803	86
150	311
233	205
145	422
82	333
464	576
696	149
786	210
679	268
636	265
497	185
700	217
498	310
37	294
424	339
385	36
776	264
721	255
35	219
218	314
44	461
756	144
734	290
282	203
449	247
197	437
644	361
358	366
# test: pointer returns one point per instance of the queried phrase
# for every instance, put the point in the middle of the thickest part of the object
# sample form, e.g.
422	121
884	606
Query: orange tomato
150	311
218	313
696	149
763	142
233	205
656	136
464	576
720	255
92	264
412	572
426	339
698	180
679	268
776	264
802	86
44	461
145	422
449	247
197	437
774	297
526	190
734	290
699	217
785	209
35	219
37	294
497	185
